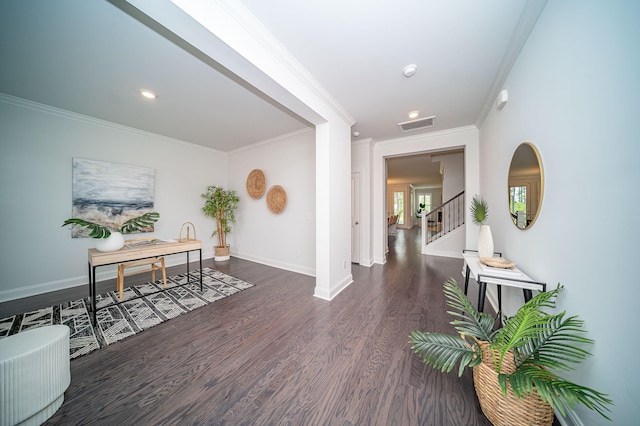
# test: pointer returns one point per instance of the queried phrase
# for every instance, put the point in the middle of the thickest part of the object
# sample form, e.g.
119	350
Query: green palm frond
558	392
471	322
95	229
479	210
443	351
526	326
140	223
557	344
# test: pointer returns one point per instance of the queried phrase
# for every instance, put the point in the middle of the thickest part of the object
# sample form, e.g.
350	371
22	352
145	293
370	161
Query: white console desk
484	275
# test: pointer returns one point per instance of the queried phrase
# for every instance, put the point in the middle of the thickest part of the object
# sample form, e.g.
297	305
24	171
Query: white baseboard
280	265
322	294
380	260
367	262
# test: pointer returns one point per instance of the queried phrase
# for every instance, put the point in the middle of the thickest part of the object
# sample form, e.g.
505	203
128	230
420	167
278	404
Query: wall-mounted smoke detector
421	123
502	99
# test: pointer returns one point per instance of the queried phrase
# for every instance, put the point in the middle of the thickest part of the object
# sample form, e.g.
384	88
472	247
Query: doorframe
466	138
356	216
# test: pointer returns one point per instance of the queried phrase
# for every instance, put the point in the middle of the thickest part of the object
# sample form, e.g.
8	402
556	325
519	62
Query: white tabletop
512	277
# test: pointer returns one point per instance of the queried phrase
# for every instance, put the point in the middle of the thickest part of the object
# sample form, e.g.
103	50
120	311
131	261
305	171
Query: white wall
286	240
575	93
453	174
36	148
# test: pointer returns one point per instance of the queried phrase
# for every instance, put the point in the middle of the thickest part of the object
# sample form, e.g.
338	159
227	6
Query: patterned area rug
135	314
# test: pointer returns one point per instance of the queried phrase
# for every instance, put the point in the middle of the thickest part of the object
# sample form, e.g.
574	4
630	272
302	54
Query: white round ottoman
34	373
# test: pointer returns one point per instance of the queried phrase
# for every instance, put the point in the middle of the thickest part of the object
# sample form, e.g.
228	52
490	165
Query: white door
355	217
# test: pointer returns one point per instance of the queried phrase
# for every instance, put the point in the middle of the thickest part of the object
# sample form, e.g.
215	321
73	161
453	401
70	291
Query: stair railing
443	219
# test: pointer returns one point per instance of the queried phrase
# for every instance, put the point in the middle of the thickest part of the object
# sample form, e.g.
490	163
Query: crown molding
272	140
366	141
528	19
69	115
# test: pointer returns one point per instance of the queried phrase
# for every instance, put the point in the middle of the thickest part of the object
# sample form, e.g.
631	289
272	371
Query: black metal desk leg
499	300
93	297
90	290
466	280
528	294
481	293
188	278
200	251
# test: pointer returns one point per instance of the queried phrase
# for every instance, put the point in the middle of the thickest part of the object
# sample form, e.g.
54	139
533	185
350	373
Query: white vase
113	242
485	242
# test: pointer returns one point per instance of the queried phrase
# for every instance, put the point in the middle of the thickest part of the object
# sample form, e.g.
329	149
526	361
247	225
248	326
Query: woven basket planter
221	253
507	410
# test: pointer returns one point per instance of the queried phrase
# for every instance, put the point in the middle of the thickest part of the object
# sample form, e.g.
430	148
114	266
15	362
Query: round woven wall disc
256	183
276	199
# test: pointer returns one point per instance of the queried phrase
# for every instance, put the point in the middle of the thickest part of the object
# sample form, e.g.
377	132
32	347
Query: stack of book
505	272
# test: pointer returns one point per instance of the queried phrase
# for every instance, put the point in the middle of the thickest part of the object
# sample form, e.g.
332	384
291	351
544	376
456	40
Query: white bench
34	373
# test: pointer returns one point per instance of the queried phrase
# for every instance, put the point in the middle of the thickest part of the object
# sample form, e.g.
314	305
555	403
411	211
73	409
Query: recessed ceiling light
409	70
148	94
414	114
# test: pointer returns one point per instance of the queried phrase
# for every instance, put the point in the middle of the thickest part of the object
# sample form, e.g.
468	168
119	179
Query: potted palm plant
513	366
110	239
221	204
479	215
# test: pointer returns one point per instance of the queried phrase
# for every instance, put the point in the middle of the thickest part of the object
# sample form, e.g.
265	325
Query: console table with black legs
483	275
126	254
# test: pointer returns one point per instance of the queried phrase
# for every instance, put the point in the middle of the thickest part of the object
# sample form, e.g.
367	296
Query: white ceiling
90	57
418	170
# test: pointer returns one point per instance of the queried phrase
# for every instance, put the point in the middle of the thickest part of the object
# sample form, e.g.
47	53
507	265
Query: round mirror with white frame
525	185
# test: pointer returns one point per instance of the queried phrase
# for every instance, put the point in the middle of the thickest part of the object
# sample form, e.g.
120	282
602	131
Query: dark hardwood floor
274	354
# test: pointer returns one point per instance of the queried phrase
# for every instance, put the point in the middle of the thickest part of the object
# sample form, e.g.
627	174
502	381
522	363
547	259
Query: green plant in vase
479	215
113	237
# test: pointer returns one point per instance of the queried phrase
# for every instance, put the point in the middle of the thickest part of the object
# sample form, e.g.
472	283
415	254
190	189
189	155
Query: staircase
443	220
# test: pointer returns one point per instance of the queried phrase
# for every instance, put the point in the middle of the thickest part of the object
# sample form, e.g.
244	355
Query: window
518	199
398	206
426	200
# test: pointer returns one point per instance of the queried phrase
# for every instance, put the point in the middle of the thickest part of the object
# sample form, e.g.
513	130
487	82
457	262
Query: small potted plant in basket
514	366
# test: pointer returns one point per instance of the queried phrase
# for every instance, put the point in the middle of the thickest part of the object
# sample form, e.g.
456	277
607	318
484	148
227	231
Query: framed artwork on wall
110	193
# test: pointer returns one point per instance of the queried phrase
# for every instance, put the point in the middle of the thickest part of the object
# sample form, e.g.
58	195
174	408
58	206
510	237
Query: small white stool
34	373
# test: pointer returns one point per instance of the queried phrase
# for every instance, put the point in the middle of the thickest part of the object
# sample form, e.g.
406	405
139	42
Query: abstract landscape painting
110	193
